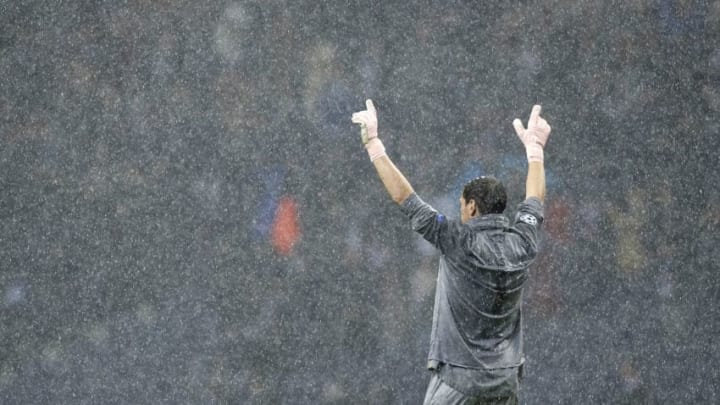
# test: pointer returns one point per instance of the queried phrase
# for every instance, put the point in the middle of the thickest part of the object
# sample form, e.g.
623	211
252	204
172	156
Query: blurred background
187	215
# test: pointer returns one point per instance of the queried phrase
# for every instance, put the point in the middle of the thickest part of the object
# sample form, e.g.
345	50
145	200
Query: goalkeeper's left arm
395	182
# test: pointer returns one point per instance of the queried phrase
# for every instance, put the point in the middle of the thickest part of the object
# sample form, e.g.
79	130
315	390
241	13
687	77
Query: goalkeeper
476	348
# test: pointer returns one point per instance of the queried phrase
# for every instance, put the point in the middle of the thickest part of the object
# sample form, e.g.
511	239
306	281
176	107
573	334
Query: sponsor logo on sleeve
528	219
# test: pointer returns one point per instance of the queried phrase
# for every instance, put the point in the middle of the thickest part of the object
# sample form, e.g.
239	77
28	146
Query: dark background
188	215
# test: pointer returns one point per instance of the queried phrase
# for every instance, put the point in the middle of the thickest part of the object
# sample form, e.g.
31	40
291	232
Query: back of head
488	193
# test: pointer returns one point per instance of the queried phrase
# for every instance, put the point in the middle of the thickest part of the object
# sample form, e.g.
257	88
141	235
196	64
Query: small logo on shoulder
528	219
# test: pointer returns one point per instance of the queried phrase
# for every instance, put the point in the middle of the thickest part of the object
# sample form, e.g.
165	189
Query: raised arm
534	139
395	183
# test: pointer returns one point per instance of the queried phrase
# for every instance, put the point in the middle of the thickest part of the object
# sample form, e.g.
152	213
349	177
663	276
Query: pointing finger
534	115
370	106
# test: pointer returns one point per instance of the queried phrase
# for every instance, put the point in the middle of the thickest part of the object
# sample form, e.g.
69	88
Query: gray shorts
462	386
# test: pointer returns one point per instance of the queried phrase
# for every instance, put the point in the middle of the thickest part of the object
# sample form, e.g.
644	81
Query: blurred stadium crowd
188	215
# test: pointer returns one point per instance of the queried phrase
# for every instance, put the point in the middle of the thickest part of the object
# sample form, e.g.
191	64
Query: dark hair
488	193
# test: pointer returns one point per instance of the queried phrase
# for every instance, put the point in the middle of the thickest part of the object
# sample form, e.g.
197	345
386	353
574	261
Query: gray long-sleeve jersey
477	318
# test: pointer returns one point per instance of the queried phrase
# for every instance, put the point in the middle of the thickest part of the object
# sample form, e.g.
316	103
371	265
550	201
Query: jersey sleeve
527	224
441	232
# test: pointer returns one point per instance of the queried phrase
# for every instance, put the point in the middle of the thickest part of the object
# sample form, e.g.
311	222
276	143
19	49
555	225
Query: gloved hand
368	130
535	136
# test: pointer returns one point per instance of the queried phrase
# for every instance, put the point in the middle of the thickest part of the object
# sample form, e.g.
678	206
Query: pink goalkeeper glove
535	136
368	130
